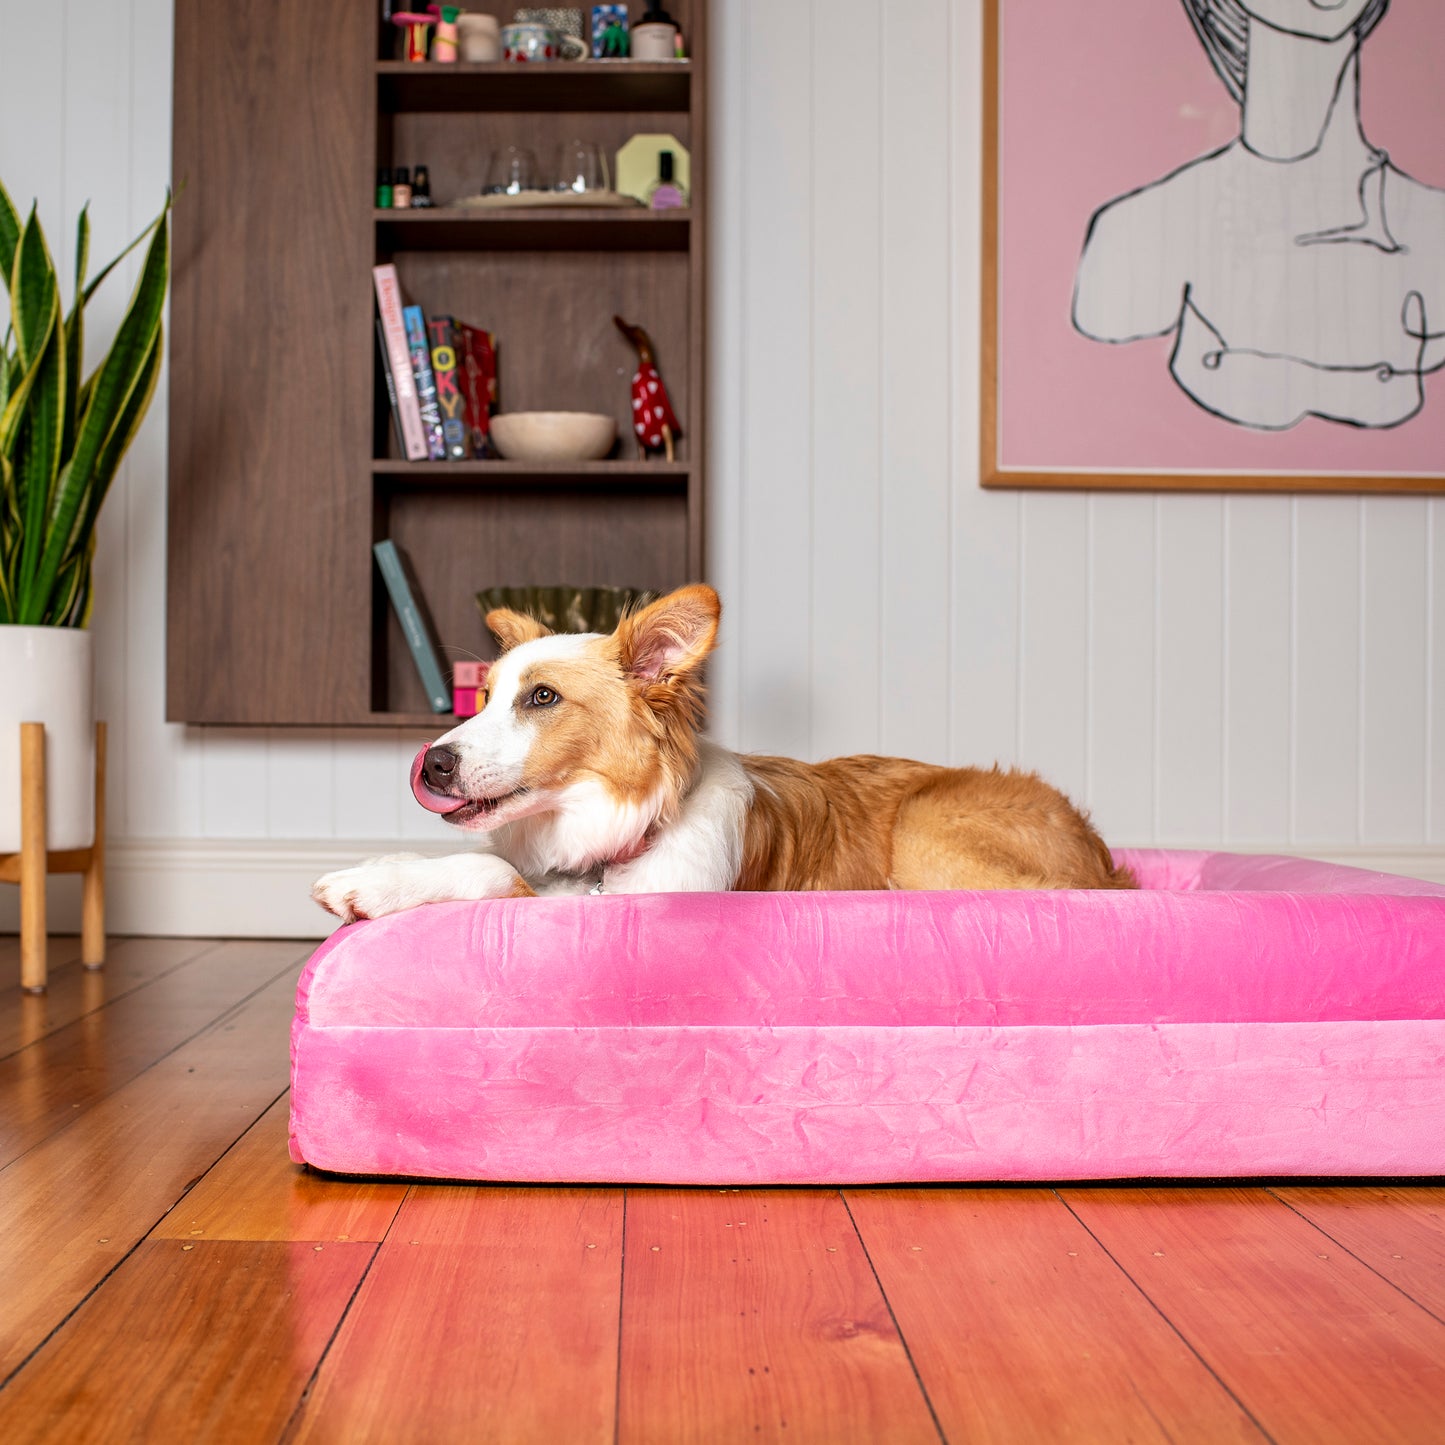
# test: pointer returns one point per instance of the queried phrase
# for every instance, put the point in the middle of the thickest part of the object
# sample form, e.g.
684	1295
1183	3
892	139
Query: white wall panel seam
1293	791
882	558
1431	506
1226	600
1361	668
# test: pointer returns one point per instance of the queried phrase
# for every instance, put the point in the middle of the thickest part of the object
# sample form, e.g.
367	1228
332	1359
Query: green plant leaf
9	540
9	234
82	255
75	332
34	293
38	455
115	261
34	302
128	423
72	591
126	369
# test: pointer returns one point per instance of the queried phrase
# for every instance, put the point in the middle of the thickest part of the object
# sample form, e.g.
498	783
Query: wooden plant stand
33	862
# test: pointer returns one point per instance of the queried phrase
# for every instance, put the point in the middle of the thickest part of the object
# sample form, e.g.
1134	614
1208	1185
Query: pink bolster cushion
1237	1016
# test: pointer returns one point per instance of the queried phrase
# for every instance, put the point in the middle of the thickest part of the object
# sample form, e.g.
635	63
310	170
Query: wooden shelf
629	85
624	472
541	228
437	722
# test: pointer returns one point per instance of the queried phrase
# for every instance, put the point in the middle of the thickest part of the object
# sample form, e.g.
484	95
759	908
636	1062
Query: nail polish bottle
420	189
401	190
665	194
383	189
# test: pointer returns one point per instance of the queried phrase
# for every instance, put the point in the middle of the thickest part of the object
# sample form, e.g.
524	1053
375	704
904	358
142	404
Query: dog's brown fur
869	822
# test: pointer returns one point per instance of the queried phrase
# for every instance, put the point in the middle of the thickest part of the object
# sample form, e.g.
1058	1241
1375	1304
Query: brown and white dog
585	772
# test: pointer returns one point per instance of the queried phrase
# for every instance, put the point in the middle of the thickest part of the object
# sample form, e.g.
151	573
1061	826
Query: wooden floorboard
1023	1328
1315	1345
75	991
44	1086
490	1314
255	1192
212	1341
74	1206
754	1314
1398	1231
167	1274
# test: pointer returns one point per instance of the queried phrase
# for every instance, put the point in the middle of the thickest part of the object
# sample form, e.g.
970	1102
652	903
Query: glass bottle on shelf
666	193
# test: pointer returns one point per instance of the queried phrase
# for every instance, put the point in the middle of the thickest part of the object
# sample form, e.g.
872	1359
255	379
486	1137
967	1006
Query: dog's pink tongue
432	802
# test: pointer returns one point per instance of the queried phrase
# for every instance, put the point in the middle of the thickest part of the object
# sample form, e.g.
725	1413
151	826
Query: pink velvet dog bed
1236	1016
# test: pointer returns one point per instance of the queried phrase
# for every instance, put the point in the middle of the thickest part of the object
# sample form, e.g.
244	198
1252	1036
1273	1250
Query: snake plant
61	437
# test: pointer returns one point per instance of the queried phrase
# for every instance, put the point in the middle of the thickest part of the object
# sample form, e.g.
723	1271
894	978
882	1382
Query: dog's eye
542	697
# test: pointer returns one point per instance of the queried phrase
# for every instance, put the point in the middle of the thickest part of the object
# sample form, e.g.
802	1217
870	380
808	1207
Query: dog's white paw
371	889
406	880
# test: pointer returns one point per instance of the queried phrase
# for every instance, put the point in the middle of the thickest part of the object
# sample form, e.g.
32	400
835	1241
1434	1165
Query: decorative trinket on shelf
522	42
653	420
656	36
609	32
444	43
639	165
414	26
480	37
665	193
566	21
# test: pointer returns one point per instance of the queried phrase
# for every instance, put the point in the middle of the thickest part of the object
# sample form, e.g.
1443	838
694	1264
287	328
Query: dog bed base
1237	1016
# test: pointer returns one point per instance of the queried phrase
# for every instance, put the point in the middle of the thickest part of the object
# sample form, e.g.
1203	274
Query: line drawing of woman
1302	272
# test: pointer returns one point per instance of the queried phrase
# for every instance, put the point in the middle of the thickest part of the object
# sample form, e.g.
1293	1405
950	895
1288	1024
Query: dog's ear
511	628
669	637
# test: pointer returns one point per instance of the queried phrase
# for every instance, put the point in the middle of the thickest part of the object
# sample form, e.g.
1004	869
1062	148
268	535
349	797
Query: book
416	624
479	383
390	386
426	390
398	359
466	701
442	333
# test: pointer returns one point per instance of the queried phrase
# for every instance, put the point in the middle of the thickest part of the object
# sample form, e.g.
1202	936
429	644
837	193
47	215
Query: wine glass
513	170
582	167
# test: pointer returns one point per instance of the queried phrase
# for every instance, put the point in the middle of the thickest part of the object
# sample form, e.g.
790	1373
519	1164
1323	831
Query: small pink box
469	674
465	702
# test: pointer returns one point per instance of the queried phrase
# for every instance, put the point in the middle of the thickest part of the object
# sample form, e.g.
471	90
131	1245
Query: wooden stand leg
92	894
32	858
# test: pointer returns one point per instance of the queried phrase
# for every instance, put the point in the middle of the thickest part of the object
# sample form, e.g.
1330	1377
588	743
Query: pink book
408	410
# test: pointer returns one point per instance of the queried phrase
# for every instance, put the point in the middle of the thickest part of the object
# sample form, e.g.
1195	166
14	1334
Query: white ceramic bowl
553	436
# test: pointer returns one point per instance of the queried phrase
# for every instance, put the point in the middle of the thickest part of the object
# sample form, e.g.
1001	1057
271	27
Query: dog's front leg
406	880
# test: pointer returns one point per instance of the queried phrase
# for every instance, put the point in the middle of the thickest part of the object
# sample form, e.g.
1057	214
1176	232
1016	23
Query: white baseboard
185	887
209	888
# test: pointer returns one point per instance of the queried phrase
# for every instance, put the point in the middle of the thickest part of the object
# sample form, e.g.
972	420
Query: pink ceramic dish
1237	1016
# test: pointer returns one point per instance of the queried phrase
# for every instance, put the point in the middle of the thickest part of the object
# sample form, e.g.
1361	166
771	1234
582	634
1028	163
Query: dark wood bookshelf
280	479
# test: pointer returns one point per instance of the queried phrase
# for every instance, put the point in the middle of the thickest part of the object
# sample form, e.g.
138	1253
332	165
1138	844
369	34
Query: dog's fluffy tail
1118	875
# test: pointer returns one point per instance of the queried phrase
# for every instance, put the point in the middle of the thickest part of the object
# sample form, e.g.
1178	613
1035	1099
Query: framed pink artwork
1214	245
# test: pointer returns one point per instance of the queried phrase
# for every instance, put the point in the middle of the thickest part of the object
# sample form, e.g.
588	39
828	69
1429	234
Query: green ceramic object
568	609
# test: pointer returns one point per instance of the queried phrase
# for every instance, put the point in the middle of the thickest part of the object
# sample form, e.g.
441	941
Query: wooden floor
167	1275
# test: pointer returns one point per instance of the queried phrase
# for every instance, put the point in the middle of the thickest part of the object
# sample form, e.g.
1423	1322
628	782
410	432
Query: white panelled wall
1260	672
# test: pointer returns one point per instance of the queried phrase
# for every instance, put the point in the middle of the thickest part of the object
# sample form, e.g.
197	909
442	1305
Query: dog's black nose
439	767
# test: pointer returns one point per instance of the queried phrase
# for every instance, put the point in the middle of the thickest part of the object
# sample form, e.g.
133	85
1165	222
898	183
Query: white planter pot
46	676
